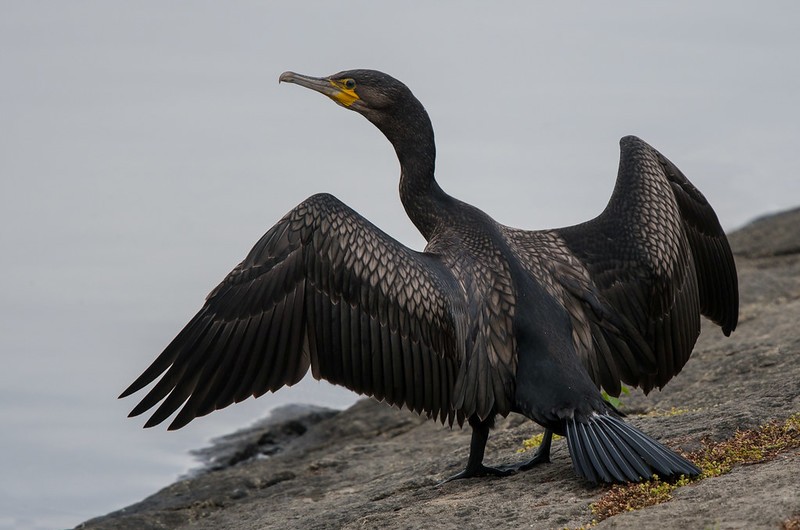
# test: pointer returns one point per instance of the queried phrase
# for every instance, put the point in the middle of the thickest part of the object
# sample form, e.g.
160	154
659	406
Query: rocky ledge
373	466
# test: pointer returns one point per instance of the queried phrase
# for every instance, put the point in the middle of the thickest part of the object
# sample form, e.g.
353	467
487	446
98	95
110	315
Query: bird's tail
607	449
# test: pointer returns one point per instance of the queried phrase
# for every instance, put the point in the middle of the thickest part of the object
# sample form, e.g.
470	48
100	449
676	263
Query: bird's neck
421	195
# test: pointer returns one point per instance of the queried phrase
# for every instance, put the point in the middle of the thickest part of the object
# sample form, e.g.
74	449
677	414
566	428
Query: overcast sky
145	146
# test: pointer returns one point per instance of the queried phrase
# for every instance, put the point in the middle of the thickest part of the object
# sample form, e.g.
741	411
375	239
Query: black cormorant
487	320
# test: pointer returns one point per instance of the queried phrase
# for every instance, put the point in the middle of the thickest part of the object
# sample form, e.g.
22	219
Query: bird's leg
542	455
477	446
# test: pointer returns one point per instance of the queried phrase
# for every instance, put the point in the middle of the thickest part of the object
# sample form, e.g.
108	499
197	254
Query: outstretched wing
636	278
322	288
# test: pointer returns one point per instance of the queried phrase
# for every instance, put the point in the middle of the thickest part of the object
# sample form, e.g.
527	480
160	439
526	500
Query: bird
485	321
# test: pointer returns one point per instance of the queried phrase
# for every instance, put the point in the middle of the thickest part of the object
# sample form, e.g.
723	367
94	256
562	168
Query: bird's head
384	101
371	93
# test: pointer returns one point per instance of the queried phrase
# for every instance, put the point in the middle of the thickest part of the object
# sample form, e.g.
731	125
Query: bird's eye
349	84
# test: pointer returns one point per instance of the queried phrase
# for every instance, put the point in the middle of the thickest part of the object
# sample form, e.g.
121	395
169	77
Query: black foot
479	471
542	455
538	458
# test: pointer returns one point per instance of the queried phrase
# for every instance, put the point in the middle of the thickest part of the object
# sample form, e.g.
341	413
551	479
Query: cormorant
487	320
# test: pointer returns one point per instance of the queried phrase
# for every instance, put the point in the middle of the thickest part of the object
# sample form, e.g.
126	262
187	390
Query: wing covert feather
658	257
324	289
644	271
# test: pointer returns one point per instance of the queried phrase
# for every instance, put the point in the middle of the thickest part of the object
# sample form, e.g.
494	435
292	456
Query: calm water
145	148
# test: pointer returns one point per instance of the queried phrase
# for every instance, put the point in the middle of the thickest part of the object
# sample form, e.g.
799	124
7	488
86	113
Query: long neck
411	134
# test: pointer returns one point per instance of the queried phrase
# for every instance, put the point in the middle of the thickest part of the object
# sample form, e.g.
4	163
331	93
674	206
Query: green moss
535	441
748	447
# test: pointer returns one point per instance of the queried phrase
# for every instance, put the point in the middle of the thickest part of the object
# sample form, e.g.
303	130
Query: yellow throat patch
345	96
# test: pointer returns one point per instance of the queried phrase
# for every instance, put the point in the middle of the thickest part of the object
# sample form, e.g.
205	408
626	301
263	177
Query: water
146	147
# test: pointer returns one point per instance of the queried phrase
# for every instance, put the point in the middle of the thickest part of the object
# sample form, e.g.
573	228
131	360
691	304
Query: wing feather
644	271
659	258
324	289
717	278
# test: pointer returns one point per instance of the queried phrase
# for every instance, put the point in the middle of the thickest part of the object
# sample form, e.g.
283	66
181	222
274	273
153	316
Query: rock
373	466
264	438
771	235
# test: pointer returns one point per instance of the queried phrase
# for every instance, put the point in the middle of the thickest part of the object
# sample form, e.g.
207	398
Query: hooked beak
326	86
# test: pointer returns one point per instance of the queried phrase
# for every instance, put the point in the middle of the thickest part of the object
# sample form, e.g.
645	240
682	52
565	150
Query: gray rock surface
372	466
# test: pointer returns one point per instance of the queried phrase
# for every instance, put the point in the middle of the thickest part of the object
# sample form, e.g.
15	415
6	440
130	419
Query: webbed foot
479	471
542	455
539	458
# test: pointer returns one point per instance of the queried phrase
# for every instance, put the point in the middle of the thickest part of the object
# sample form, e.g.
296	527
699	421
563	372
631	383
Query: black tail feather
611	460
580	458
599	460
658	456
639	466
609	450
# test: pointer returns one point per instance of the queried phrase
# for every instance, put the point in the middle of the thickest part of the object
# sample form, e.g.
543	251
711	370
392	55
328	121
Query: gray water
146	146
